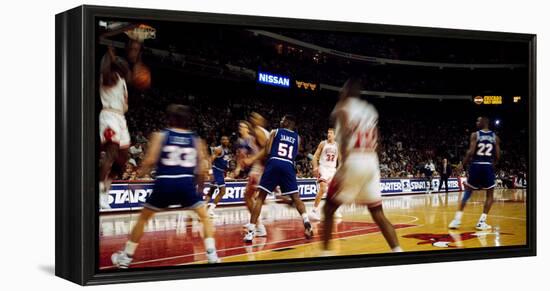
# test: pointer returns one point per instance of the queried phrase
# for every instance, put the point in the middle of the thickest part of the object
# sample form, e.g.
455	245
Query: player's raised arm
152	155
471	149
106	67
316	157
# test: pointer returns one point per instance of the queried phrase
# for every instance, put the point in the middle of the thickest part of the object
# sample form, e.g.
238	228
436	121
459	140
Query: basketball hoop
141	33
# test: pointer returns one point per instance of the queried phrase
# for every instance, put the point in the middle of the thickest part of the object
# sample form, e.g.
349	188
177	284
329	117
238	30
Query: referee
444	174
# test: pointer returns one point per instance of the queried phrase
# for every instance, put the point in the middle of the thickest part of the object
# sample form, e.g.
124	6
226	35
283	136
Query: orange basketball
141	77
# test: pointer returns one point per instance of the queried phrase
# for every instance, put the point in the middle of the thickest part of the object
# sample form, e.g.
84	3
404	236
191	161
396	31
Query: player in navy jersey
180	170
280	152
484	153
221	155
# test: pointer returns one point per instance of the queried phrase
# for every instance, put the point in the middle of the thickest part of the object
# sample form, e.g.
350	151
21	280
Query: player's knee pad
467	194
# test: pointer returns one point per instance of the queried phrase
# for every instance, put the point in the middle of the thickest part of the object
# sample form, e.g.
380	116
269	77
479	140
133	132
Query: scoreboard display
495	99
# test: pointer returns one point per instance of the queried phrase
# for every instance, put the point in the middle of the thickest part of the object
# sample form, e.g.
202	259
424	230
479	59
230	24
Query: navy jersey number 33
175	174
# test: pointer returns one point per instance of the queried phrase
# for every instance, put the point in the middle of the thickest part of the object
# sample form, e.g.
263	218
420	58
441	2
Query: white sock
210	243
250	227
483	217
397	249
212	206
458	215
304	217
130	248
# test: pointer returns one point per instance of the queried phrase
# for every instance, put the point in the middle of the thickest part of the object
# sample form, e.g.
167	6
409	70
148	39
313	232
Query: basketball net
141	33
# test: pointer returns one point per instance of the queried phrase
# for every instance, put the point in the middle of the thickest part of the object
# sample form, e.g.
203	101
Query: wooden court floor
174	237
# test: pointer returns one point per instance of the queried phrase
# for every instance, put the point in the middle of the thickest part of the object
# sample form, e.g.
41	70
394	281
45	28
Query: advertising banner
131	195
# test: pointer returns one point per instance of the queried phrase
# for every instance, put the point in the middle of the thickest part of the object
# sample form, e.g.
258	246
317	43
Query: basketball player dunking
358	178
324	164
113	130
178	155
280	152
484	153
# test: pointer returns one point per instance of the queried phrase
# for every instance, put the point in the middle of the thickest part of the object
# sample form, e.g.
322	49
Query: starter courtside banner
131	195
415	185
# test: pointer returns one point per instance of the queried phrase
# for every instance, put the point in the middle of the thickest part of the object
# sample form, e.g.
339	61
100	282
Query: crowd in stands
407	141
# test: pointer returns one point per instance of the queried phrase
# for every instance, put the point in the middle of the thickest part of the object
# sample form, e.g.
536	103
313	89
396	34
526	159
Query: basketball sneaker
121	260
104	201
103	197
482	225
455	224
314	214
261	231
250	234
308	232
212	256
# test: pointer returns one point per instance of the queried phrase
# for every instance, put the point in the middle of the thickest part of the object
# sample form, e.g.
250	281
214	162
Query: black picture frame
76	158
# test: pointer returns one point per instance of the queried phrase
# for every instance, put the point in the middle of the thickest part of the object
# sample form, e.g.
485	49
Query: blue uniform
219	165
279	169
481	174
175	181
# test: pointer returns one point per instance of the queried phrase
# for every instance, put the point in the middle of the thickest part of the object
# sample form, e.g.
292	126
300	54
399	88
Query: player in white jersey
357	180
324	165
261	136
113	130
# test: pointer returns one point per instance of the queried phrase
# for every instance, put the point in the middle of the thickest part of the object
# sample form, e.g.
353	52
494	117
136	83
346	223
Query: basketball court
174	237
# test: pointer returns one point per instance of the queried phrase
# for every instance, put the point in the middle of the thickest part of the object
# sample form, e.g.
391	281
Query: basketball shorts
113	128
357	180
174	192
218	177
481	176
279	173
326	174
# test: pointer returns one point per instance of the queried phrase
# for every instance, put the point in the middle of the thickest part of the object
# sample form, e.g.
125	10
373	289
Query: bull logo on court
451	239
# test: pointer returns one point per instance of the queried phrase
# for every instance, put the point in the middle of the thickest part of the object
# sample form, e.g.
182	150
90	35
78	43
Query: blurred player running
252	141
281	152
261	136
324	164
178	154
219	159
484	152
358	179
